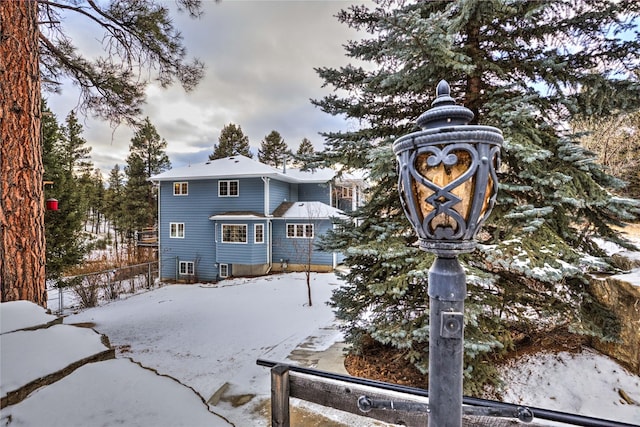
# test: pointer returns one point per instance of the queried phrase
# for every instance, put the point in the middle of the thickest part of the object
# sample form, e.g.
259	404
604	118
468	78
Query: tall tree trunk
473	91
22	241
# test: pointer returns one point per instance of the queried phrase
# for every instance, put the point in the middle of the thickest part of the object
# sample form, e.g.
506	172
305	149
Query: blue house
239	217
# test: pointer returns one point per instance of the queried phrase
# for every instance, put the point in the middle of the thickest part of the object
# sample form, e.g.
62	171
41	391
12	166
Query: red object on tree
52	204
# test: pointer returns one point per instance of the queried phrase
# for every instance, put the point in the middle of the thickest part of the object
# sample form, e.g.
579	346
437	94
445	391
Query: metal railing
394	403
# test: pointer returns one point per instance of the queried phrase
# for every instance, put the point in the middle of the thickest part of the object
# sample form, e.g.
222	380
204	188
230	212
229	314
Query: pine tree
114	203
22	232
139	208
93	187
273	150
146	158
63	228
76	162
516	66
304	152
616	143
75	151
138	37
230	143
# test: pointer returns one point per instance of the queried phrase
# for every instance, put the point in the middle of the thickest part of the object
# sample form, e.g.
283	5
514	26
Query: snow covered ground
587	383
208	338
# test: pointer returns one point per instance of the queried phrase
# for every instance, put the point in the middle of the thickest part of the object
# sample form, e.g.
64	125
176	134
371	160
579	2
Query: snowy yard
208	337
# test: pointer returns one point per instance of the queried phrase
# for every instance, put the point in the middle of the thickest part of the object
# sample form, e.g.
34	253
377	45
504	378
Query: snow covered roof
240	215
306	210
242	167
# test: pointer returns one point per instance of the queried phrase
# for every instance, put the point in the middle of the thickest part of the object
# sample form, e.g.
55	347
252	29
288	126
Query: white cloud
259	58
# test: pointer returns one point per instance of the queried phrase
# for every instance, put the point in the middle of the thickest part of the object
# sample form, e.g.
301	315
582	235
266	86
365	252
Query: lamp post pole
447	290
447	184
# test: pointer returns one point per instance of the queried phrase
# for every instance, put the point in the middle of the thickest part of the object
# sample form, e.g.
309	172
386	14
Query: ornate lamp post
447	184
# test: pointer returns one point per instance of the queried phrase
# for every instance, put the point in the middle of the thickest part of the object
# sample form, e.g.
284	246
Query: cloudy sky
259	58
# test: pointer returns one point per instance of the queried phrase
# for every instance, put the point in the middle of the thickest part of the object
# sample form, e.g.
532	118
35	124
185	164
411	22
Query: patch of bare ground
89	325
631	231
300	416
379	362
383	363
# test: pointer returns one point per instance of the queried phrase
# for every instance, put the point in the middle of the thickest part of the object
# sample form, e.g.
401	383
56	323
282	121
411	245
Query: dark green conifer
273	150
113	203
61	155
147	157
526	68
304	152
232	141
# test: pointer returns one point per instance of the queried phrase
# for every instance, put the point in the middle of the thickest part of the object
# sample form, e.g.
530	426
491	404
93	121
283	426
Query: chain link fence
91	290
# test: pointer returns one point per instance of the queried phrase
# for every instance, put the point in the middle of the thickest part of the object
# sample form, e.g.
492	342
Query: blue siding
293	194
279	192
251	197
249	253
202	243
314	193
193	210
297	250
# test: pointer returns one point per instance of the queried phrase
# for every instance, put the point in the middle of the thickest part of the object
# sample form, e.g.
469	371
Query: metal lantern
447	175
447	183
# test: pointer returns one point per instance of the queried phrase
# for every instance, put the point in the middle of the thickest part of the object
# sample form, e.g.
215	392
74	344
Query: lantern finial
444	111
443	92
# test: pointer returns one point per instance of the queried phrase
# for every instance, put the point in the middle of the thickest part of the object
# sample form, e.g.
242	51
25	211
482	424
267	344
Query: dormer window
228	188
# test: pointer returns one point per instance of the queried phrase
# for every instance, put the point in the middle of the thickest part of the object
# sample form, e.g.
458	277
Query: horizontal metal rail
539	413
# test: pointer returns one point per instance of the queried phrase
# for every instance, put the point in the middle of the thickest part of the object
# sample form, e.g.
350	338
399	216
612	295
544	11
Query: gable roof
242	167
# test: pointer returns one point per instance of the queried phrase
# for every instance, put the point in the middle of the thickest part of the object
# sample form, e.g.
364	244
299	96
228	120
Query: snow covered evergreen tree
526	68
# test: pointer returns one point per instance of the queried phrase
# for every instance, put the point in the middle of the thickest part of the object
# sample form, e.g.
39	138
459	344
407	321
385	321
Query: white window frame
180	186
347	192
255	233
228	188
300	231
188	270
246	230
176	230
225	268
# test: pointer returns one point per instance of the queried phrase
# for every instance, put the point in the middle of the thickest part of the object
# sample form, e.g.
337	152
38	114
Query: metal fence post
447	290
60	299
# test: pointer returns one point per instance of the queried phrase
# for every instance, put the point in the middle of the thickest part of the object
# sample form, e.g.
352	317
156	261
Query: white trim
159	223
267	194
246	233
186	265
229	181
255	234
181	184
296	226
248	217
177	230
226	267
